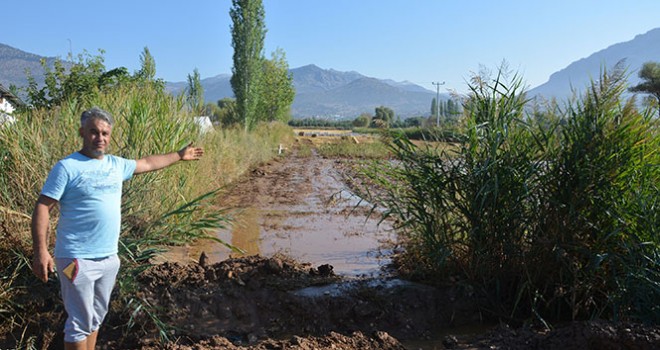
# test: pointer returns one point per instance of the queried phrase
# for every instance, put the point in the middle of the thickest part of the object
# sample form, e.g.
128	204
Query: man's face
96	137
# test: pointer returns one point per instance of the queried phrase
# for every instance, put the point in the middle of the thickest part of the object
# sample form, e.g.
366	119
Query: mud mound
254	272
256	298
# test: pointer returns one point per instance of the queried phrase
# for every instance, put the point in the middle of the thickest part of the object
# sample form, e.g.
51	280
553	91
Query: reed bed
544	221
159	209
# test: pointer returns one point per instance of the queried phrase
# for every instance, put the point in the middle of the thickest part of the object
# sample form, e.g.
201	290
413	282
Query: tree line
444	114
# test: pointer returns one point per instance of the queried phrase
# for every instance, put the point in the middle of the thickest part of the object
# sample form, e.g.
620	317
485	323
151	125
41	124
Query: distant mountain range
330	93
578	75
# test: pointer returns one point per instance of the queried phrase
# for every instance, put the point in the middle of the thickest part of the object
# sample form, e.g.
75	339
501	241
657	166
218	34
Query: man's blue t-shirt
89	193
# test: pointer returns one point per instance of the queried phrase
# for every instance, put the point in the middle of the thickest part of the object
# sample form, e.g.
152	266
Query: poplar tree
147	70
276	89
248	32
195	92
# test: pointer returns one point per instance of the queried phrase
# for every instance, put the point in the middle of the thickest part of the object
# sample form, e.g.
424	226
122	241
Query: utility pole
437	103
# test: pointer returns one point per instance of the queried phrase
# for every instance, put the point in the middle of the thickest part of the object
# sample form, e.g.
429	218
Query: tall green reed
604	167
171	206
554	220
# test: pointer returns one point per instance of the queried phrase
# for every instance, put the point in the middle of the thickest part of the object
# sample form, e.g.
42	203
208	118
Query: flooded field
301	208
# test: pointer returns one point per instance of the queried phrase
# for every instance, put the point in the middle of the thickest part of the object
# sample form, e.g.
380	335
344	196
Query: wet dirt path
300	207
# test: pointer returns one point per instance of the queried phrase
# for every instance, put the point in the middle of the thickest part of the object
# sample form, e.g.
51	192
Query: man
88	185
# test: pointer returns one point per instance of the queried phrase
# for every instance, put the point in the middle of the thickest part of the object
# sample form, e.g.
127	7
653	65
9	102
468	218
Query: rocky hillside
14	64
633	54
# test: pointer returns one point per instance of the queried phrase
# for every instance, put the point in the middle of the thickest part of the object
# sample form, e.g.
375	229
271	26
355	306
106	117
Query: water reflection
246	233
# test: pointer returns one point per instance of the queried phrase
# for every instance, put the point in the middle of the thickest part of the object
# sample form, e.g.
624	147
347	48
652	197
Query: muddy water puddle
299	207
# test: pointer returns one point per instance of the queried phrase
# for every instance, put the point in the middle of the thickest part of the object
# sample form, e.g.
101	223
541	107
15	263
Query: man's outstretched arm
161	161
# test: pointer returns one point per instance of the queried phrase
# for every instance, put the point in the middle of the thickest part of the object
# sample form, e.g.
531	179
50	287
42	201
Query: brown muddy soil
279	302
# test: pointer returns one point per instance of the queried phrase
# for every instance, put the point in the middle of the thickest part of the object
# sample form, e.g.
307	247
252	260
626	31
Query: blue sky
421	41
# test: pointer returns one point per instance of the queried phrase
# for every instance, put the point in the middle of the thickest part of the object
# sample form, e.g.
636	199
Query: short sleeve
56	182
129	168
